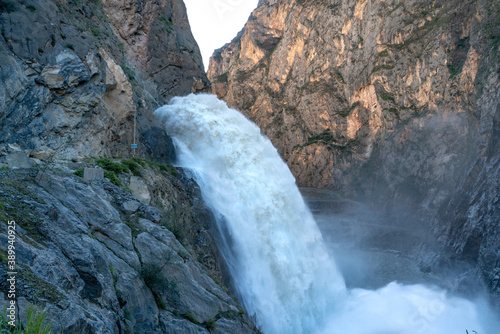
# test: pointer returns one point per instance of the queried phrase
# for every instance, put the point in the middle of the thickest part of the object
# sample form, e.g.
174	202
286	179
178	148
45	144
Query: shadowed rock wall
74	74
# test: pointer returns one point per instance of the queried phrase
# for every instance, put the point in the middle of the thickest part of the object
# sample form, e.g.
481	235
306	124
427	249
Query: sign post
134	145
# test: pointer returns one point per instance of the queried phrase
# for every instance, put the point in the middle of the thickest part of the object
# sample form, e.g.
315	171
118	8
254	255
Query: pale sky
216	22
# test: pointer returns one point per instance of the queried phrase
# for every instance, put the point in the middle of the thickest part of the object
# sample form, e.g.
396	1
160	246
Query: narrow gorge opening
214	23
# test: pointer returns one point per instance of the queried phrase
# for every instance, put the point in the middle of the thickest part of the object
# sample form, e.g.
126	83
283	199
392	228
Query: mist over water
274	250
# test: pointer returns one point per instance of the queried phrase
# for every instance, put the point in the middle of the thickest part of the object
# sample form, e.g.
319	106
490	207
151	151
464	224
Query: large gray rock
61	92
131	206
17	160
97	267
139	189
67	71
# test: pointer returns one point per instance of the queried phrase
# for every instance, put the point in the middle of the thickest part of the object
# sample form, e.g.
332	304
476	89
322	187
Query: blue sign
133	146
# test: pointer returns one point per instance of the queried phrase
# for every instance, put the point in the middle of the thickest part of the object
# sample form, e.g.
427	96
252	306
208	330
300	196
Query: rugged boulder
73	76
100	261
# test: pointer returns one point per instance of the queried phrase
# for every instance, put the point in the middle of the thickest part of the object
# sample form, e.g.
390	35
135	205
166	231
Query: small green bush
222	78
382	67
95	31
168	168
168	23
163	167
340	77
79	172
386	96
191	318
121	46
178	231
325	137
384	53
159	302
454	69
35	322
113	177
139	161
210	324
133	166
31	7
109	165
151	275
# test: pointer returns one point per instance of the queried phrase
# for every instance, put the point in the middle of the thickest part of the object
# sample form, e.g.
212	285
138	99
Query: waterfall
277	259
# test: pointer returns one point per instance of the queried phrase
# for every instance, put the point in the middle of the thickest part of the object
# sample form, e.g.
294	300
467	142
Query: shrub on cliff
35	323
7	6
110	175
133	166
111	166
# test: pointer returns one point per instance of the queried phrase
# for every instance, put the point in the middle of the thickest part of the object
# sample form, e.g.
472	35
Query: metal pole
135	126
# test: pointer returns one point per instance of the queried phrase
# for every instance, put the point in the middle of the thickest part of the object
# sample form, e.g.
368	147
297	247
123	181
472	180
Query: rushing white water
273	247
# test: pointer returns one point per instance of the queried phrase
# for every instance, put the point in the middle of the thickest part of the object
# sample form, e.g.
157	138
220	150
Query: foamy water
274	250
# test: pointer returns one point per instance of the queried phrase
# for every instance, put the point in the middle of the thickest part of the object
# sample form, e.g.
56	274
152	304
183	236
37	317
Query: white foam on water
274	250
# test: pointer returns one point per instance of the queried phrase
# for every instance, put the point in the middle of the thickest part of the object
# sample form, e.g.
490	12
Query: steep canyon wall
74	75
98	257
394	102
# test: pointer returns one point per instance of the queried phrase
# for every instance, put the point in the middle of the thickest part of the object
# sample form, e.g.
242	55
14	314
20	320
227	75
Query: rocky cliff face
139	258
73	75
98	260
395	102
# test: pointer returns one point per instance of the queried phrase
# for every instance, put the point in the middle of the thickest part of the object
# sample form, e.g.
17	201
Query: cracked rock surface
89	255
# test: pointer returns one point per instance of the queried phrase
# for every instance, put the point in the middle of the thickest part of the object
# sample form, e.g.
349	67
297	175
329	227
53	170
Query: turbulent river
279	263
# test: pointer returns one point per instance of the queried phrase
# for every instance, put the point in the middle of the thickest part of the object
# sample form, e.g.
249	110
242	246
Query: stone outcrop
73	75
140	258
100	261
394	102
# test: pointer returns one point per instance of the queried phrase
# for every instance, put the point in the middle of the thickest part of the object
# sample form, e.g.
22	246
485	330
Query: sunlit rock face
391	101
